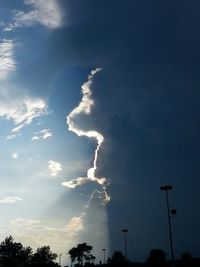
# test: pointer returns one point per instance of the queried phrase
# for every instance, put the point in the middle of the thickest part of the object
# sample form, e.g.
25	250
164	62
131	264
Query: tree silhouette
186	256
43	257
156	258
186	259
14	254
80	253
117	259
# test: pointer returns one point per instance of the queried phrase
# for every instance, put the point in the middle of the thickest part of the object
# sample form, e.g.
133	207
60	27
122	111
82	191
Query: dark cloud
147	107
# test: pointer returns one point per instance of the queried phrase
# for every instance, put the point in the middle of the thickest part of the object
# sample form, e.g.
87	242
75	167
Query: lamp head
166	187
173	211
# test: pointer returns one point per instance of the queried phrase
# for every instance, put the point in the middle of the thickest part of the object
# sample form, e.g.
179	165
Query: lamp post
166	188
60	259
125	231
104	255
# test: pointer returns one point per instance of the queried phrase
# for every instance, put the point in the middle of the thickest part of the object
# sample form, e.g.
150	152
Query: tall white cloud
46	13
7	61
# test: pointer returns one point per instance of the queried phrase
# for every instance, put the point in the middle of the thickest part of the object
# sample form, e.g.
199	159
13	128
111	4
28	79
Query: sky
99	106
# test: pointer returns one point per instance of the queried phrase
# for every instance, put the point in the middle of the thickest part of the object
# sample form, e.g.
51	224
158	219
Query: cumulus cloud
15	155
7	62
46	13
54	167
9	200
44	134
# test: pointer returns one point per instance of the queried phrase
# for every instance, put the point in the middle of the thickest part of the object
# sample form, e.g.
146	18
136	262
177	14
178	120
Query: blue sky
142	107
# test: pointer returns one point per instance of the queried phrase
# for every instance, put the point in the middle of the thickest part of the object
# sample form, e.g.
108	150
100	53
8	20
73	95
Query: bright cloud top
7	62
44	134
9	200
85	107
47	13
54	167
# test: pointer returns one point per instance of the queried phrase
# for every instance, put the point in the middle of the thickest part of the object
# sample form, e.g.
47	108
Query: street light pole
60	259
125	241
104	255
166	188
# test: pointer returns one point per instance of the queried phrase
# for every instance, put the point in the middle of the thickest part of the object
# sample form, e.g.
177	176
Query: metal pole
60	259
170	228
104	255
125	242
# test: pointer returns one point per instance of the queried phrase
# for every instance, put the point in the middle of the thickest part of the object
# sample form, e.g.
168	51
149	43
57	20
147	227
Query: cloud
46	13
12	136
7	62
9	200
24	222
44	134
85	107
33	231
54	167
15	155
74	226
20	109
76	223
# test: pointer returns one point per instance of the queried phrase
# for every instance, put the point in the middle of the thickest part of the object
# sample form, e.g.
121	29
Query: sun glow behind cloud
85	107
77	223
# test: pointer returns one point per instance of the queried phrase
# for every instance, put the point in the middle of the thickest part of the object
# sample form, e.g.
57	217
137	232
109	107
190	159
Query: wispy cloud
54	167
20	110
7	62
24	222
15	155
9	200
47	13
44	134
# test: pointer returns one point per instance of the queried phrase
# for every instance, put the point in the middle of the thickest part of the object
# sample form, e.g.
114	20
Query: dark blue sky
146	106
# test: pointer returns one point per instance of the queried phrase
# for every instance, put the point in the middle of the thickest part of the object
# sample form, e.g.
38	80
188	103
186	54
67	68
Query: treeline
81	255
13	254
